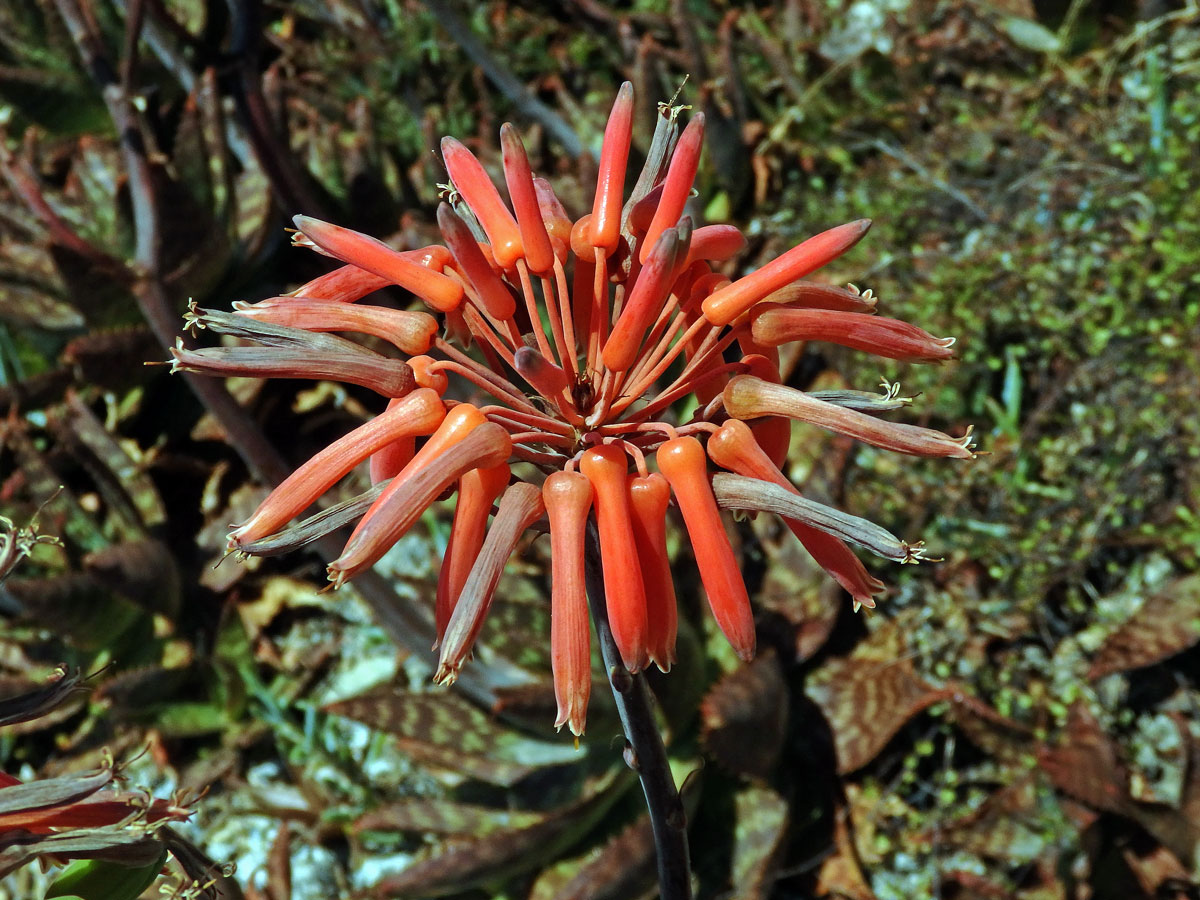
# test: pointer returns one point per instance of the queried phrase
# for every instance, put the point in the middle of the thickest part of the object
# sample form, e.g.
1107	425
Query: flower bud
480	194
889	338
610	181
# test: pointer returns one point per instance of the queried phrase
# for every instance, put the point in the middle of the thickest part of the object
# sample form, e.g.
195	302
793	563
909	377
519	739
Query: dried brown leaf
867	703
762	818
751	700
1167	623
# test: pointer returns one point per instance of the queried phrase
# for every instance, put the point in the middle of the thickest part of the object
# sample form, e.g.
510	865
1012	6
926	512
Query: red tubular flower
539	254
725	305
606	467
418	413
610	183
734	447
477	491
889	338
575	344
410	331
493	295
678	184
648	499
437	290
747	397
684	464
480	194
520	507
568	499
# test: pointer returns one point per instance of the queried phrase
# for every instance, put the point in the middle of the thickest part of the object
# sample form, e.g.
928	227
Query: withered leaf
1085	765
867	702
116	844
744	718
1167	623
841	875
761	825
21	798
38	702
143	571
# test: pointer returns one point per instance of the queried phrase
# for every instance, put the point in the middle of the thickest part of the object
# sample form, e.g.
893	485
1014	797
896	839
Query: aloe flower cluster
546	374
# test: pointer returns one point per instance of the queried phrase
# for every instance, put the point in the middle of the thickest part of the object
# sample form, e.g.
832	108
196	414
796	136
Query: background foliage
1019	720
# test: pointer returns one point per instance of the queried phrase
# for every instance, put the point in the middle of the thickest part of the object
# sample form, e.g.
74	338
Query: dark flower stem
645	752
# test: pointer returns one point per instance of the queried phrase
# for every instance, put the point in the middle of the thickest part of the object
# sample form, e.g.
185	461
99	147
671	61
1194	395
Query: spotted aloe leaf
460	865
761	826
444	817
1167	623
750	700
867	702
447	732
623	868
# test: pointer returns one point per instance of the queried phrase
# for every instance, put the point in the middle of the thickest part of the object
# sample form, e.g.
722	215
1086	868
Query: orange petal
568	499
418	413
726	304
648	499
747	397
519	508
678	183
477	491
437	290
684	464
773	433
606	467
733	447
539	254
495	297
610	181
477	189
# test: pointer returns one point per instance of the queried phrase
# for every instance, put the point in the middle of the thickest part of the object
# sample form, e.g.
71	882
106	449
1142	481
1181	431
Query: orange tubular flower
575	342
605	467
568	499
684	464
477	491
649	496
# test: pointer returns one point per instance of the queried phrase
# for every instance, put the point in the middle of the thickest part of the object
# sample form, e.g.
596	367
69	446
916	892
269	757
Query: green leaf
98	879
